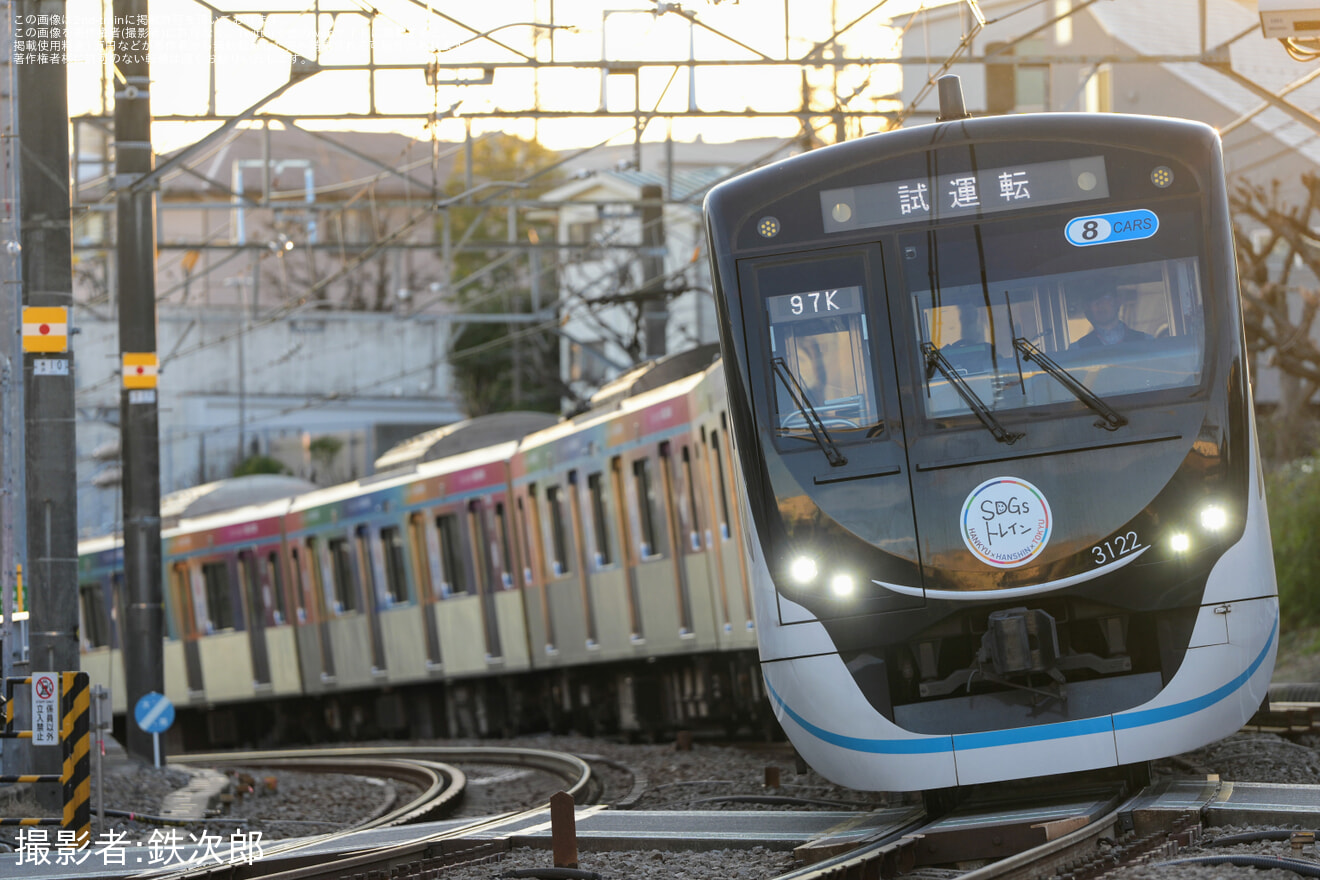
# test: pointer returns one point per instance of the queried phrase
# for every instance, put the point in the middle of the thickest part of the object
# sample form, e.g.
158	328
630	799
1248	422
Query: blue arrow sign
154	712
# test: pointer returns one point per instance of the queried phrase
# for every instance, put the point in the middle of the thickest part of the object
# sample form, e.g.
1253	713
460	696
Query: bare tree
1278	250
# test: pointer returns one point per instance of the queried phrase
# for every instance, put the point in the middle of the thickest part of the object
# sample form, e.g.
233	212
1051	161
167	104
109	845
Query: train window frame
250	591
523	530
1062	284
419	545
343	570
479	534
600	520
183	621
396	571
316	564
453	561
219	601
803	273
694	510
651	543
559	558
726	532
506	548
299	584
95	628
363	541
275	577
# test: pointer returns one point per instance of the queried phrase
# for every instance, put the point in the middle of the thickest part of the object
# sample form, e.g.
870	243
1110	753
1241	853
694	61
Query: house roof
333	168
1169	27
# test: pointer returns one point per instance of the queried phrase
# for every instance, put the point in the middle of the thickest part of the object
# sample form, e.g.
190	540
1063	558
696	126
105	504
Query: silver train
989	391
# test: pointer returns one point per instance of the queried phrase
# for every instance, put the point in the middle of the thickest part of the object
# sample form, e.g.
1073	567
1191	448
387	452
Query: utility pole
13	509
51	574
144	669
655	309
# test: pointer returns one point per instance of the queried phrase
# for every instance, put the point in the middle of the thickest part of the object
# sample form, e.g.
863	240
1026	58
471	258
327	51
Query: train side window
95	622
299	599
219	607
345	576
451	554
723	492
694	512
558	536
599	519
276	580
396	573
646	507
506	548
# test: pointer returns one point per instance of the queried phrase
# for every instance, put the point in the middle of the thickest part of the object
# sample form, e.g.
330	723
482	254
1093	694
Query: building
301	307
634	281
1132	56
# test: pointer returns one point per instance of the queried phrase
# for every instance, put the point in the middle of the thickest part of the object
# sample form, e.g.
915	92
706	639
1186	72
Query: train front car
991	403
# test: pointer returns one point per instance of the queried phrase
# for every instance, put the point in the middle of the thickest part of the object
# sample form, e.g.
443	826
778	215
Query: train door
187	626
366	571
249	579
482	553
425	550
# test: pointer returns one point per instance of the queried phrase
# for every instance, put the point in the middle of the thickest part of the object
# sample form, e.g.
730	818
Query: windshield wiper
822	436
1110	419
936	361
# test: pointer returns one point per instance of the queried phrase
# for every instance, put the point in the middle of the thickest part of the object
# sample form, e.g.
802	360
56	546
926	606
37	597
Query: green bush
259	464
1294	503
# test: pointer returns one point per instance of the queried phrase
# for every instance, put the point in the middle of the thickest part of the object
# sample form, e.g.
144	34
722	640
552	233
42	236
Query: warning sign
45	709
139	369
45	328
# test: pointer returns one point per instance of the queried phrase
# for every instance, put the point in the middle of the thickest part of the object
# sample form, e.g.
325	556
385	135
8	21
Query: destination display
815	304
949	196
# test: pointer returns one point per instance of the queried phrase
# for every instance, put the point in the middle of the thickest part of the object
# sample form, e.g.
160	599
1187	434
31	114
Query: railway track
432	770
1108	839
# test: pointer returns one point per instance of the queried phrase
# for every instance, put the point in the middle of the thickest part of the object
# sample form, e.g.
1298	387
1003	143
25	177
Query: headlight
802	570
842	585
1179	542
1214	518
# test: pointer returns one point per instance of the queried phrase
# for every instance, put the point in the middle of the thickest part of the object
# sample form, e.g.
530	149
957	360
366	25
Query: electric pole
144	670
51	574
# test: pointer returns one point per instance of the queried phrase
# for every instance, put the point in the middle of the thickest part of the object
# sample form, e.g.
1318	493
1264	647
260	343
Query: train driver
1101	309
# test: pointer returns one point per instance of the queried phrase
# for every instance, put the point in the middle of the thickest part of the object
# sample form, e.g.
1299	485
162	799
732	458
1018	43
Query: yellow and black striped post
76	738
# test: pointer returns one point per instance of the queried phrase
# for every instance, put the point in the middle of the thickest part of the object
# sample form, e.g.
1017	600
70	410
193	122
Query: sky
249	67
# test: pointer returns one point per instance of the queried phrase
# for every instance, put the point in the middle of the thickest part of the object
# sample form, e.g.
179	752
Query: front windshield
1116	330
820	341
